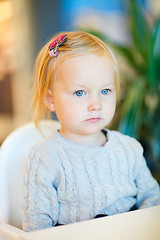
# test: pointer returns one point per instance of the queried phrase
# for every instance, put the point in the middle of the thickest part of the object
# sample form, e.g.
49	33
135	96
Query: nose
94	107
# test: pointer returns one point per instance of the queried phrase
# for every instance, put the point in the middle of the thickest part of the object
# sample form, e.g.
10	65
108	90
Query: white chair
13	153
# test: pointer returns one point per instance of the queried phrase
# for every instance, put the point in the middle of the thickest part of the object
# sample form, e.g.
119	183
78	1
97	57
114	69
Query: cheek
68	111
110	107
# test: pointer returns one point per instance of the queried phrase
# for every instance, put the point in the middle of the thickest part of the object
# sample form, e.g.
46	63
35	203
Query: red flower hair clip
57	42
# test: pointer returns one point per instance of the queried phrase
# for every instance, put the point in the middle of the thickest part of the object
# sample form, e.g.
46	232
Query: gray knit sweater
66	182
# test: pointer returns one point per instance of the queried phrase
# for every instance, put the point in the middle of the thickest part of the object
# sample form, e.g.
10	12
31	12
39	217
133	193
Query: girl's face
84	96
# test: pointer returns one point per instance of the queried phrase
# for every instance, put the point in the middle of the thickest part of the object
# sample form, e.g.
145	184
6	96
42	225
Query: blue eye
105	91
79	93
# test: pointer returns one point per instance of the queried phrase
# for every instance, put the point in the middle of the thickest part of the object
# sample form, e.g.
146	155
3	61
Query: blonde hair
77	44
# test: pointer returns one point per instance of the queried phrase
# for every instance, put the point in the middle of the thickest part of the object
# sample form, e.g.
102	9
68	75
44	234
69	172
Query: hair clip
57	42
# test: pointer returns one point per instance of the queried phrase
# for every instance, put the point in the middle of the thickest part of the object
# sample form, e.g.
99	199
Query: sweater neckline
84	147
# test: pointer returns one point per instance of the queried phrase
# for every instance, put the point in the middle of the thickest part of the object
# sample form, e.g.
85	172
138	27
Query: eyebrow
106	84
79	87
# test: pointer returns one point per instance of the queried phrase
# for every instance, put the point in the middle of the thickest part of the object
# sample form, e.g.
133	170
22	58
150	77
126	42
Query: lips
93	119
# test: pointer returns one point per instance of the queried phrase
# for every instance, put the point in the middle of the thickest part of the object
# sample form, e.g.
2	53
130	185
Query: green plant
140	104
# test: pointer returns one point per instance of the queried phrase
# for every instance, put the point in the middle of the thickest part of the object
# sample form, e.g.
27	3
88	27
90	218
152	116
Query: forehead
85	69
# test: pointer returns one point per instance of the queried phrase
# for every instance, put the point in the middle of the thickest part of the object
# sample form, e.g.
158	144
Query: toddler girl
84	170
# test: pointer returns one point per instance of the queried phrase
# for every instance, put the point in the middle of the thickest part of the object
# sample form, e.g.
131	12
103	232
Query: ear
48	101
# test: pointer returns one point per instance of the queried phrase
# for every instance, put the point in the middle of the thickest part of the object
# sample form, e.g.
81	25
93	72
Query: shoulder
118	136
126	142
41	147
41	159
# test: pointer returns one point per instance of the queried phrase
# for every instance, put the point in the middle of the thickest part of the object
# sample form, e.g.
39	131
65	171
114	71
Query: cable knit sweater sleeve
38	209
148	193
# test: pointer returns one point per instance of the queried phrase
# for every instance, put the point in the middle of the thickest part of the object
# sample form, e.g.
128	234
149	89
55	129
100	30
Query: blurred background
130	27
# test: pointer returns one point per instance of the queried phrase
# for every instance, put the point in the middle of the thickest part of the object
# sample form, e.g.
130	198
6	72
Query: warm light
5	10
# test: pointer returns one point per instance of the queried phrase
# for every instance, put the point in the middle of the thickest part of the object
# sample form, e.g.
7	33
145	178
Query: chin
91	130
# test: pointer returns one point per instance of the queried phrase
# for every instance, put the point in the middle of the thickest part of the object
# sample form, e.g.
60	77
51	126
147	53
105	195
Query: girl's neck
97	139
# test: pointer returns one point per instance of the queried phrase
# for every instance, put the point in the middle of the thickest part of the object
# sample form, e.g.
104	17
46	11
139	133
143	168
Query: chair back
13	152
